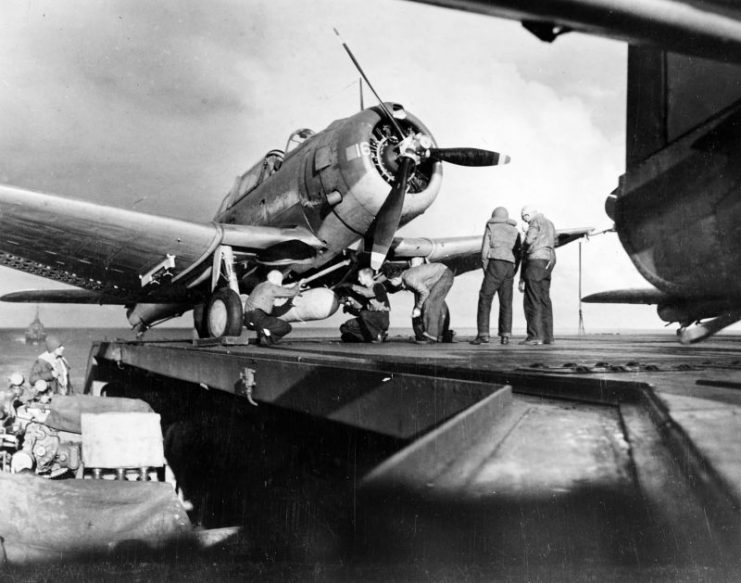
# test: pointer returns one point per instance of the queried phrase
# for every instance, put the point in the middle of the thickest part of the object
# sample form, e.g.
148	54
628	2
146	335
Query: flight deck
599	452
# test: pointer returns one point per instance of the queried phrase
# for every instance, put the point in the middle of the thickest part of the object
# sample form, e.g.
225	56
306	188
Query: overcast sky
158	106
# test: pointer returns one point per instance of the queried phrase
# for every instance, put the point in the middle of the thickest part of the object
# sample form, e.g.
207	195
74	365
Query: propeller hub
387	150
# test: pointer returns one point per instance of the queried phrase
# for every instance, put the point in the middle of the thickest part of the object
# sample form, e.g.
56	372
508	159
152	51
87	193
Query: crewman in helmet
500	257
52	367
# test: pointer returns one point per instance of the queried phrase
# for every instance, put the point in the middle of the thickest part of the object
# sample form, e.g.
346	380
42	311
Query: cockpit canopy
251	179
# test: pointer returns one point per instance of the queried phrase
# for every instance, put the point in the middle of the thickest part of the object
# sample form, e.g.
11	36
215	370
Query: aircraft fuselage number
357	150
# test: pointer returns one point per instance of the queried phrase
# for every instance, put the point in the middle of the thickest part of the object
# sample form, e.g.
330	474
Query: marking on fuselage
357	150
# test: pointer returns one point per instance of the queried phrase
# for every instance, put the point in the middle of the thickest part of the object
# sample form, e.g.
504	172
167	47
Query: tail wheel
224	314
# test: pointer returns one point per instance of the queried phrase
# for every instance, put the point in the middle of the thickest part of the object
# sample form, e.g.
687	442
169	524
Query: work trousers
418	326
537	300
498	279
259	320
433	314
367	327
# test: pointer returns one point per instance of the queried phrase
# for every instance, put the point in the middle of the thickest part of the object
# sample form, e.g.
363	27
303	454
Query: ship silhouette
35	332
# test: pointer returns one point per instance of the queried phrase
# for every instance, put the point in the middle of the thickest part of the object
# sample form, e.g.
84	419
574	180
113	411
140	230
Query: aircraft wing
707	28
564	236
117	255
63	296
461	254
629	296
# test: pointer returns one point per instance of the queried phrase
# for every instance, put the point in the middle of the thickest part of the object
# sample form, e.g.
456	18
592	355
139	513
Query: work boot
265	338
479	340
504	340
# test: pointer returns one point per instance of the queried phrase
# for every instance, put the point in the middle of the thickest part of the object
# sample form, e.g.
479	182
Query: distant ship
35	332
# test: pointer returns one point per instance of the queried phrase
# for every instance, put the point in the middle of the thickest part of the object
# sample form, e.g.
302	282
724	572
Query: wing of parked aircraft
119	256
461	254
707	28
649	296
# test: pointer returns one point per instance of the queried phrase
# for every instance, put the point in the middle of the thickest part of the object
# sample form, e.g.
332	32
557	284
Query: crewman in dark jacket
500	257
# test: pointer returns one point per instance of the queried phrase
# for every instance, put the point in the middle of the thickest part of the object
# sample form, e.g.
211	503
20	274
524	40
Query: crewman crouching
258	308
370	306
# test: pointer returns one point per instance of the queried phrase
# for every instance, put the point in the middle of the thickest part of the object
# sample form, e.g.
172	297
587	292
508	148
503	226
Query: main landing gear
222	315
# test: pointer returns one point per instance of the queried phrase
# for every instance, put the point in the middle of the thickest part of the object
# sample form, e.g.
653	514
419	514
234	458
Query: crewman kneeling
369	302
258	308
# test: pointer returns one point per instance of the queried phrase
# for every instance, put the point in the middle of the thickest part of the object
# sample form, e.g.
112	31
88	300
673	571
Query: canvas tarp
44	519
66	410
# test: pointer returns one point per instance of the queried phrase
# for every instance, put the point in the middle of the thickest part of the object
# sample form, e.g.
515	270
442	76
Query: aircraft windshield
251	179
297	138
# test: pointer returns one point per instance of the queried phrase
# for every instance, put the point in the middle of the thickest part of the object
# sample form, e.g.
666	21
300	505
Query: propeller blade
469	156
370	86
387	220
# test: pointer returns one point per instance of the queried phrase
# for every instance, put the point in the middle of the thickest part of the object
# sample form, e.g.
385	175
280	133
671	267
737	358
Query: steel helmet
16	379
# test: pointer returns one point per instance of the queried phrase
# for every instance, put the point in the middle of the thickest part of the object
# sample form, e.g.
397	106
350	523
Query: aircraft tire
224	314
199	320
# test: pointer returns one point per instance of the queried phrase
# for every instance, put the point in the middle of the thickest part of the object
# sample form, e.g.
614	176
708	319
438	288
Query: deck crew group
503	251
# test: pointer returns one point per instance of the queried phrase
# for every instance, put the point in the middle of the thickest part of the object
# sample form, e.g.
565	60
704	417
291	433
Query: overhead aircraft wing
63	296
461	254
704	28
629	296
121	256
